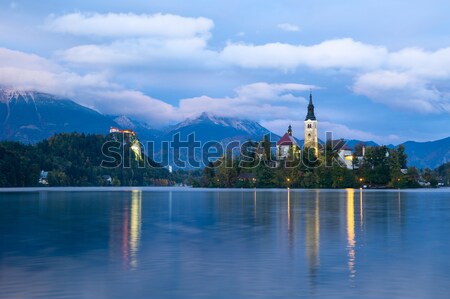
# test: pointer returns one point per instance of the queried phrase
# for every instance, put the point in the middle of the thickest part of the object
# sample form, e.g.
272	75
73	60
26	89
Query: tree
376	166
208	176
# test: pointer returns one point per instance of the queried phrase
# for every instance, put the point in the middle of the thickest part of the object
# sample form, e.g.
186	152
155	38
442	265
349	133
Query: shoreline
191	189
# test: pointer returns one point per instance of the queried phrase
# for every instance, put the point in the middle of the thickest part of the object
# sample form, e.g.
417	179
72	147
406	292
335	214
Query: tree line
73	159
380	167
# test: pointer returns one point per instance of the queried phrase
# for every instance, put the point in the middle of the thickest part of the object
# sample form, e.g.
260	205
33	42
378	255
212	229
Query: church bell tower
311	139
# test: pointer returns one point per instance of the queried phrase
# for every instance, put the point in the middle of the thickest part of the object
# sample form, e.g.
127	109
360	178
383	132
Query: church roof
310	115
287	140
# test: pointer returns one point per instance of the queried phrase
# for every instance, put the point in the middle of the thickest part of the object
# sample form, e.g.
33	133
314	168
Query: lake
211	243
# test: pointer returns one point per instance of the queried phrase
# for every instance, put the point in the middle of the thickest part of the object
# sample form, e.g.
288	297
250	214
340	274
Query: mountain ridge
29	116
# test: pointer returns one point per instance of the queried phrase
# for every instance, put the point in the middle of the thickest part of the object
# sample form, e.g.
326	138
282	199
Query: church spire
310	114
290	130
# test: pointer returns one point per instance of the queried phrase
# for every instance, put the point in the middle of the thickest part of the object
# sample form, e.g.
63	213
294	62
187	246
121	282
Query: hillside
429	154
33	116
74	160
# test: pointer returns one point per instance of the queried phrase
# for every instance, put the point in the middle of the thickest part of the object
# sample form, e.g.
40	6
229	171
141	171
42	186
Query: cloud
32	72
130	25
257	101
288	27
95	90
133	103
409	79
402	91
141	52
11	58
136	40
339	53
254	101
272	92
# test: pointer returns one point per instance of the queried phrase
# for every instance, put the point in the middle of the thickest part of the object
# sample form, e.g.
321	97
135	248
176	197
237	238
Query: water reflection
125	229
351	232
289	209
290	222
84	244
135	226
312	236
361	217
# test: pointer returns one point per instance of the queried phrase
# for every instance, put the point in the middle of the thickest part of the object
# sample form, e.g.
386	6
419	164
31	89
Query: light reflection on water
144	243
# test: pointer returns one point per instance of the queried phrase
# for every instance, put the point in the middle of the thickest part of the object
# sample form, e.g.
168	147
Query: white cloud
288	27
253	101
130	25
142	51
142	40
11	58
409	79
133	103
95	90
406	79
338	53
403	91
32	72
272	92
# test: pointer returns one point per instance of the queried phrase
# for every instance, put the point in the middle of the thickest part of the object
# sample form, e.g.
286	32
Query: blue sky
379	70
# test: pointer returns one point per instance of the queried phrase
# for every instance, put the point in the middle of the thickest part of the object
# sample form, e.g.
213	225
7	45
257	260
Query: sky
378	70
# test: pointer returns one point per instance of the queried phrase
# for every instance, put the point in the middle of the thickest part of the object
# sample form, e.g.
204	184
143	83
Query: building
346	155
287	147
43	178
131	138
311	136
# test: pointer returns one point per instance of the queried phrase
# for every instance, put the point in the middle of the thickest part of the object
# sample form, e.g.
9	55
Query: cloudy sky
378	70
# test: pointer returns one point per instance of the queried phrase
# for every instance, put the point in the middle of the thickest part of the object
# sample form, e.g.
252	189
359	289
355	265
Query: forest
380	167
74	159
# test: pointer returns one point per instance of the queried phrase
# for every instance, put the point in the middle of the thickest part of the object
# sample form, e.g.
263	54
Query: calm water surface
176	243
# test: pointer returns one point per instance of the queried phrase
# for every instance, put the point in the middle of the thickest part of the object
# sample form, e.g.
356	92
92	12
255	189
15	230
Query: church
288	148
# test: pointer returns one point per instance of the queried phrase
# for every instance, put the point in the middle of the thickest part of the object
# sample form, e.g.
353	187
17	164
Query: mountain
429	154
209	127
29	117
143	130
352	142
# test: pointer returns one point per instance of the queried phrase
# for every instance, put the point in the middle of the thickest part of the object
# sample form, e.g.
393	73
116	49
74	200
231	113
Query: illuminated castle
133	140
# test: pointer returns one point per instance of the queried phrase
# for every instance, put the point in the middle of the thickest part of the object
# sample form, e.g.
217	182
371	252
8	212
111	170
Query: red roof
287	140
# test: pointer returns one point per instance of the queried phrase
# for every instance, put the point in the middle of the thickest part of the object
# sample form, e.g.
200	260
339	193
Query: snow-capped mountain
30	116
209	127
